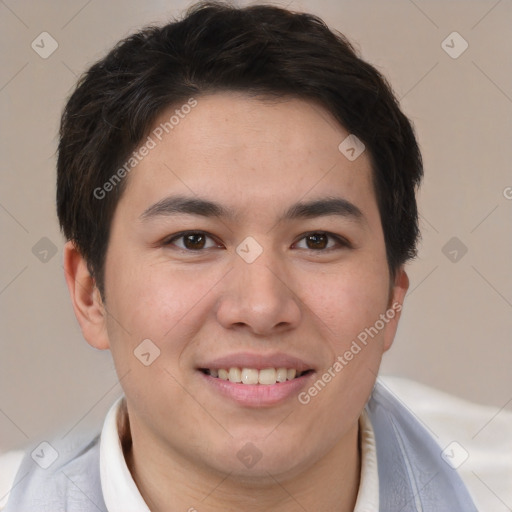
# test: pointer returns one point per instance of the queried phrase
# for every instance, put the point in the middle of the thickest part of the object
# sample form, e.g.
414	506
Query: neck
168	483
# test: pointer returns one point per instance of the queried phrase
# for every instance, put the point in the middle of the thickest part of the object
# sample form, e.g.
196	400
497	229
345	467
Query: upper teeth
253	376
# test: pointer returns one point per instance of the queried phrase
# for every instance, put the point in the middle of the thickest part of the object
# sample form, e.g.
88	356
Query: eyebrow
322	207
176	205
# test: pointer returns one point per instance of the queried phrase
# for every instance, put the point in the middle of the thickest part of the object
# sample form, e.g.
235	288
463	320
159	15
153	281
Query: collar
122	495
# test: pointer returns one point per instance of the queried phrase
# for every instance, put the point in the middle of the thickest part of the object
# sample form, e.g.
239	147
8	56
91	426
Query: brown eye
194	241
322	241
317	241
191	241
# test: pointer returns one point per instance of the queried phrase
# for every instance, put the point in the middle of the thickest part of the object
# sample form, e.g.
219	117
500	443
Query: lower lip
258	395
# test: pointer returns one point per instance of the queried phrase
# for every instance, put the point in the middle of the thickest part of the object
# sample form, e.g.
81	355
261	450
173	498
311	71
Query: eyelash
341	242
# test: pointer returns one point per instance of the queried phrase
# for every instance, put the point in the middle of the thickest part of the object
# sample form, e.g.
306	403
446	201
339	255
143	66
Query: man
238	194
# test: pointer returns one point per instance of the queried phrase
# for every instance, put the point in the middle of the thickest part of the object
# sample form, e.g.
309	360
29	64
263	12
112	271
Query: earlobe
85	298
395	305
400	287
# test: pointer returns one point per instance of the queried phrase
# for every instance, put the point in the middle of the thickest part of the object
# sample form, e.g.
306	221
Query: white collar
368	494
119	489
122	495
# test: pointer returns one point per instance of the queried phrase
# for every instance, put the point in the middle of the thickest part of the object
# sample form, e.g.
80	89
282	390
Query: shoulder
475	440
47	470
9	465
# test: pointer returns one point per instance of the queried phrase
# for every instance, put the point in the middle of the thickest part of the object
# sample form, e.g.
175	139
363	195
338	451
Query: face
246	240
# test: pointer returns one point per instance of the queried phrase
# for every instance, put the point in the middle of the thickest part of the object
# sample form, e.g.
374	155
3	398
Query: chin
259	462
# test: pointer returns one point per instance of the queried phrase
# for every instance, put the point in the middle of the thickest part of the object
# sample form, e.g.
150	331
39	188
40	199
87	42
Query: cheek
347	303
150	302
153	303
347	306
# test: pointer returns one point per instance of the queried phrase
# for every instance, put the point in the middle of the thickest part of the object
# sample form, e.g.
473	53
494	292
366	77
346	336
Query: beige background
457	324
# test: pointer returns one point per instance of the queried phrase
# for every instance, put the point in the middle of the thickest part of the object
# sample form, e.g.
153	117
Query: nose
259	297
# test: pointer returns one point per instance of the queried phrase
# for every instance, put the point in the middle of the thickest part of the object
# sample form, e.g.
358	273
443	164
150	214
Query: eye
191	241
320	240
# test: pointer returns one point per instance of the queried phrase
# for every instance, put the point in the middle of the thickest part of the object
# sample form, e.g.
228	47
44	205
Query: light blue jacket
412	475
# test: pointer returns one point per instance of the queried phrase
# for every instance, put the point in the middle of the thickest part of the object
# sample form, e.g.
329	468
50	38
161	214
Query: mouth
255	380
252	380
254	376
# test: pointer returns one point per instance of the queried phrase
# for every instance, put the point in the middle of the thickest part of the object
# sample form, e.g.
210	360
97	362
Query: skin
256	158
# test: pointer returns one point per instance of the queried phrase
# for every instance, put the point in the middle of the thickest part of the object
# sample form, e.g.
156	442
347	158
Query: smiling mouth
253	376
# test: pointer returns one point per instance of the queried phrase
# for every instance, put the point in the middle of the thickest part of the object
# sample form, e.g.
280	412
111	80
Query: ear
396	299
86	299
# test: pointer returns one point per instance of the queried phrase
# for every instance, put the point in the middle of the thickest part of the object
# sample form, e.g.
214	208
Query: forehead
248	152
